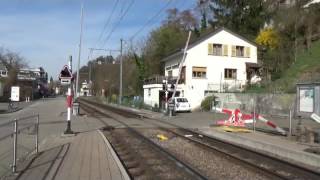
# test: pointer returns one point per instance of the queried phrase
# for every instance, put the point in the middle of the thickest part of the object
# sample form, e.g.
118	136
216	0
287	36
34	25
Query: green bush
207	103
114	98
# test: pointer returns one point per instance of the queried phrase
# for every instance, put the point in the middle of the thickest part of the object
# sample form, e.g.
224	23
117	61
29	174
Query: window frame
233	75
202	74
215	48
241	48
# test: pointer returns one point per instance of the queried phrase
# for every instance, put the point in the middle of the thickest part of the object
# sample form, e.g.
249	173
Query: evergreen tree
245	17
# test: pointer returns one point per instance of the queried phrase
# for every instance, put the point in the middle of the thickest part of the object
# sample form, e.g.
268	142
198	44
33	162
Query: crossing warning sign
65	76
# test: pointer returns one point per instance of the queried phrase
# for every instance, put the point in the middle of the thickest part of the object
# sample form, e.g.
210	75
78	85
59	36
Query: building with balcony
221	61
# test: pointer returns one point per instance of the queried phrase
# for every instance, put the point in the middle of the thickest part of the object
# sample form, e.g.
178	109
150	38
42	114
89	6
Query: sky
47	32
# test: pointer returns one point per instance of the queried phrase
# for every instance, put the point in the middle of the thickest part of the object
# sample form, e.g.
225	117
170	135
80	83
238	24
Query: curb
115	157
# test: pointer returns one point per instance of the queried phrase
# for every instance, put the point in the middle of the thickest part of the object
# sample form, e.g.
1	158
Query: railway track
271	167
143	158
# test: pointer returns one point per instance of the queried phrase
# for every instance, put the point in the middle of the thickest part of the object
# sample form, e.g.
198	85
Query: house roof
179	53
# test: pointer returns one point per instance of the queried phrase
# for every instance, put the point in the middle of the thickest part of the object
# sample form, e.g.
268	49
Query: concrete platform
86	155
280	147
83	156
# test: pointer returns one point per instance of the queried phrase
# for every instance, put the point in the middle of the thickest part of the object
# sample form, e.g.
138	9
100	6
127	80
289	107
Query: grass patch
305	69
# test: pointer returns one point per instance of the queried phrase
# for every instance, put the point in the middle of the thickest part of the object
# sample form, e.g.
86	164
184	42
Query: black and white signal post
66	79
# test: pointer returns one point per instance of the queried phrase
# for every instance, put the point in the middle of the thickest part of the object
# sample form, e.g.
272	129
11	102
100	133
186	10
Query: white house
85	89
219	62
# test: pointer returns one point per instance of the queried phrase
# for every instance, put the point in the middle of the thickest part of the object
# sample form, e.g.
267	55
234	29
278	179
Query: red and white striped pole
69	105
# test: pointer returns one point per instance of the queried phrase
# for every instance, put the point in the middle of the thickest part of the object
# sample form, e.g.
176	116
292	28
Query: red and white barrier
239	119
69	104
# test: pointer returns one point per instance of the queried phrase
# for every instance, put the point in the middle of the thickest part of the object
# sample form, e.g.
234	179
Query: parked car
181	104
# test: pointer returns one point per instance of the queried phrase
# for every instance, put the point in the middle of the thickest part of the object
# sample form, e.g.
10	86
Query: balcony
159	80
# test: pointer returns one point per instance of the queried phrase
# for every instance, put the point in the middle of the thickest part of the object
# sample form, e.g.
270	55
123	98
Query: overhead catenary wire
108	21
150	20
119	21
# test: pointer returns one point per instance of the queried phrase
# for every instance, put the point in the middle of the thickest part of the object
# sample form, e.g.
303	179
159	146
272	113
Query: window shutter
247	52
225	50
233	51
210	49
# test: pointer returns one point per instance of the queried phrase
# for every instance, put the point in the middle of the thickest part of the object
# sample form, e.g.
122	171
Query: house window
149	92
182	75
170	73
199	72
217	49
230	73
239	51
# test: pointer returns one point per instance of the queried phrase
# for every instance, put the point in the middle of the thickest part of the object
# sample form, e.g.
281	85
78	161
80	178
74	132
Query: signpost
65	78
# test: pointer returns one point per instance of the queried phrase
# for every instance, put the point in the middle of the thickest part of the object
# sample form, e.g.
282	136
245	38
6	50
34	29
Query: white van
181	104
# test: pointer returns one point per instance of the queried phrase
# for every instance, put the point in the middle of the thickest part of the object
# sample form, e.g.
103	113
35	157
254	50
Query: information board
306	99
15	93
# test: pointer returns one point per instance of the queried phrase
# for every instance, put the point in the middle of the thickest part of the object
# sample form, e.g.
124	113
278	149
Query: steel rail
181	164
209	138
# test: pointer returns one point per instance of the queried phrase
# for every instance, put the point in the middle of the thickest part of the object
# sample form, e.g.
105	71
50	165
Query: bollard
15	140
254	118
37	134
290	123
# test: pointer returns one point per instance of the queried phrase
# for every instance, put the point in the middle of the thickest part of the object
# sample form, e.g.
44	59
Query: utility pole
77	82
120	88
90	53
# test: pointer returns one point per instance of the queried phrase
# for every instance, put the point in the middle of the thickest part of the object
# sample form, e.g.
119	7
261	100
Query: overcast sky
46	32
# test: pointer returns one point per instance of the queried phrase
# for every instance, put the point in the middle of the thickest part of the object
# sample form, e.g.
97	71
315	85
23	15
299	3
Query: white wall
198	56
153	98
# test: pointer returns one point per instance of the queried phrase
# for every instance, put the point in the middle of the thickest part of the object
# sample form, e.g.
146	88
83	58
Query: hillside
305	69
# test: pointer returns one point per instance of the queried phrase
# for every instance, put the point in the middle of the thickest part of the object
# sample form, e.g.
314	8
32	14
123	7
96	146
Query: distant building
105	60
33	82
3	74
33	74
222	61
3	70
85	89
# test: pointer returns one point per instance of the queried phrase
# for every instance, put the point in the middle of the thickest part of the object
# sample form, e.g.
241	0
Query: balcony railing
160	79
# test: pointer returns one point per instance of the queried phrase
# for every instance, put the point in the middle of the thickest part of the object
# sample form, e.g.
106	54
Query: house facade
3	76
222	61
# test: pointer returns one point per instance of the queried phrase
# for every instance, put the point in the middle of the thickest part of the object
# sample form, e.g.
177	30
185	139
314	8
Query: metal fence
18	138
276	108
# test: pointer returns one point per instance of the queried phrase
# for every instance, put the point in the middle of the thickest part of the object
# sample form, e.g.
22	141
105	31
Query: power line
150	20
108	20
119	21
